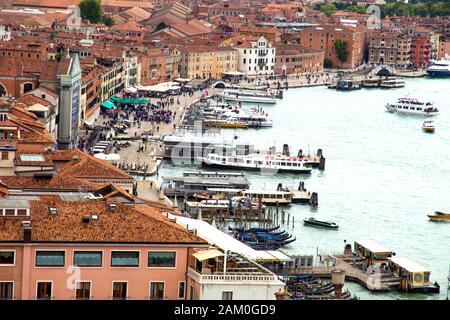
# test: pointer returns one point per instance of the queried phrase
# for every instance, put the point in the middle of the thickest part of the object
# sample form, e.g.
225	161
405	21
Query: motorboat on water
390	83
270	163
439	216
439	69
428	126
413	106
312	222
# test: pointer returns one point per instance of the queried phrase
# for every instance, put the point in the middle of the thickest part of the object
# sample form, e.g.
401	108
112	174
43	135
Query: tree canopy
161	26
341	49
91	10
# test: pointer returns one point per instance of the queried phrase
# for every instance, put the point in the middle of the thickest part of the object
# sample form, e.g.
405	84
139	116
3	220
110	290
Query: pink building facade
135	272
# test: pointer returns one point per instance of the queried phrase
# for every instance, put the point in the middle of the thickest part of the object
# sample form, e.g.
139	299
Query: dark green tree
327	63
91	10
328	9
161	26
107	20
341	49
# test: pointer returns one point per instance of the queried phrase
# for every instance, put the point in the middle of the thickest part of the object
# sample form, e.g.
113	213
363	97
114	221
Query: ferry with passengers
268	162
413	106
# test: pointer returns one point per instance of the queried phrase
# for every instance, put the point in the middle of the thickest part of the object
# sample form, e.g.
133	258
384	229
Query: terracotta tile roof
23	147
30	99
121	225
46	162
65	183
193	27
132	14
127	4
47	91
87	166
61	4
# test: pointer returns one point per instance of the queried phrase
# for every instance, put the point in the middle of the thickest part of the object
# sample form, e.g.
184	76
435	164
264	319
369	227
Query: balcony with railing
230	276
237	269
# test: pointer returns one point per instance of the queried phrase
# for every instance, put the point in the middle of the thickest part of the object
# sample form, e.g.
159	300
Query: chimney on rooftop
86	219
75	159
112	206
26	226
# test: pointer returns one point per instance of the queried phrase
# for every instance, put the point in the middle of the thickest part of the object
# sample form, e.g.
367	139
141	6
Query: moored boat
320	224
226	123
371	83
390	83
348	84
270	163
439	69
247	96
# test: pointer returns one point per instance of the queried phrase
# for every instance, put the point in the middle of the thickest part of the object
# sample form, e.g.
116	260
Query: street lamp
338	279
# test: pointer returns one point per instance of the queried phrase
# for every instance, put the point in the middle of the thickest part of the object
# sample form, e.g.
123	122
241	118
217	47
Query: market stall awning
108	104
207	254
130	101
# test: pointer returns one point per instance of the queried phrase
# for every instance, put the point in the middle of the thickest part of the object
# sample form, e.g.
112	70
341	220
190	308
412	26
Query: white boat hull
247	99
393	109
244	166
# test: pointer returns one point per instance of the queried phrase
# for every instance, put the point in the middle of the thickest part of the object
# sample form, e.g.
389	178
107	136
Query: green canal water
383	173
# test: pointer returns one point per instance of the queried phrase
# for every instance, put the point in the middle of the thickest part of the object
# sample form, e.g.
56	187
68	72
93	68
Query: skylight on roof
32	157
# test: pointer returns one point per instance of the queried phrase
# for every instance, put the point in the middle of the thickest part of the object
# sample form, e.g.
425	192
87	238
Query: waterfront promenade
147	188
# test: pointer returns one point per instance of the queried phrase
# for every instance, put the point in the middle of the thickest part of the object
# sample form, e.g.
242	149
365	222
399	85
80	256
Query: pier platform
373	282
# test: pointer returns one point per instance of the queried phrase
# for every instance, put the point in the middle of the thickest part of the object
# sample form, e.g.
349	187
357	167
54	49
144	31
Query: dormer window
3	116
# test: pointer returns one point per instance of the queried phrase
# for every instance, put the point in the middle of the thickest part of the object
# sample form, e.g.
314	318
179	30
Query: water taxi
413	106
269	163
269	197
392	83
312	222
428	126
439	216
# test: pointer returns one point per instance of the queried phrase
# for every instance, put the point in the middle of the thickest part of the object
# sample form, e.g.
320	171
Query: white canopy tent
160	87
107	157
226	242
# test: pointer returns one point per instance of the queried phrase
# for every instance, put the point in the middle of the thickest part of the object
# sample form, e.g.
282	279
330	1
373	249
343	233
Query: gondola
254	229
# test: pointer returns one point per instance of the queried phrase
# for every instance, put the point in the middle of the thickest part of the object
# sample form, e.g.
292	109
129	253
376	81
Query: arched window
2	91
27	87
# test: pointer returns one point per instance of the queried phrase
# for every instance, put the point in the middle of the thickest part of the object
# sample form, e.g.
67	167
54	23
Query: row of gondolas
263	238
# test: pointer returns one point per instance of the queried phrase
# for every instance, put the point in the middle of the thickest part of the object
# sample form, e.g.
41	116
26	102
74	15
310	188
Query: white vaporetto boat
413	106
276	163
392	83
